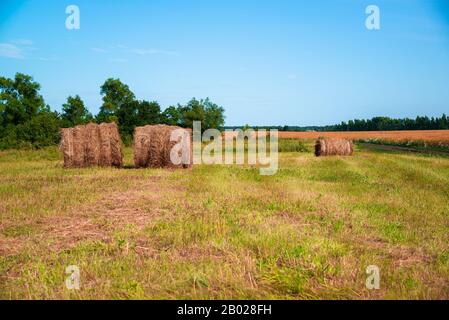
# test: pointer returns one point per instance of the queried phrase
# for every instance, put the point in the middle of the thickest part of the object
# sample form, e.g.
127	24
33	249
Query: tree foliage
74	112
121	106
388	124
25	119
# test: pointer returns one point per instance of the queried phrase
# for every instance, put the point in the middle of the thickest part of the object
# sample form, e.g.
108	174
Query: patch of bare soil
94	221
401	255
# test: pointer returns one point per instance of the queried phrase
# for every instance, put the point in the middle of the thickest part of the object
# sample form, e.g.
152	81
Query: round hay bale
140	140
333	147
110	145
66	146
79	147
152	147
91	145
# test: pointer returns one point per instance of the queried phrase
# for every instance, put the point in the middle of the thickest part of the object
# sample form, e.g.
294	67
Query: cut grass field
222	232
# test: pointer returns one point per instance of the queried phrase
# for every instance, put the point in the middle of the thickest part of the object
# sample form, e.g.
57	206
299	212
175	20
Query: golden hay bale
152	147
333	147
139	147
110	145
79	149
91	145
66	146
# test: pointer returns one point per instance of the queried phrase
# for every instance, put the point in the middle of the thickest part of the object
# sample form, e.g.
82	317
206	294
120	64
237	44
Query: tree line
390	124
27	121
374	124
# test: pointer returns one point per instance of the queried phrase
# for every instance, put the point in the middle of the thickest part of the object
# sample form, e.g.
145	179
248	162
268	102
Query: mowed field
416	135
224	232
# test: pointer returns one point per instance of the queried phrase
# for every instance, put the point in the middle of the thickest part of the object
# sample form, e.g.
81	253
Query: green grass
417	145
224	232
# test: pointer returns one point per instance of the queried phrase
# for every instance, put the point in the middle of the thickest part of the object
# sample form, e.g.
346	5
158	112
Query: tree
171	116
148	113
40	131
443	123
74	112
127	117
208	113
193	111
25	119
20	100
214	115
116	97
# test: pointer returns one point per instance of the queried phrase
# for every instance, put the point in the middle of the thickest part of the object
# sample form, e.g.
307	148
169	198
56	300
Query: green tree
74	112
127	117
40	131
443	122
20	100
210	114
193	111
171	116
148	113
25	119
117	97
214	115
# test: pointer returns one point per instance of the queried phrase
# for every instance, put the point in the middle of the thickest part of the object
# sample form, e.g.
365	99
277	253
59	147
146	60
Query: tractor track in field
385	147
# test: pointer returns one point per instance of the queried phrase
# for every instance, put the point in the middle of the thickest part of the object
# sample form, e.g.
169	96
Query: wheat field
412	135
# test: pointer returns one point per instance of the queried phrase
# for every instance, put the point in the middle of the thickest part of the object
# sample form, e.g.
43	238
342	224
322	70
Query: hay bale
79	147
66	146
140	147
333	147
91	145
110	145
92	138
152	147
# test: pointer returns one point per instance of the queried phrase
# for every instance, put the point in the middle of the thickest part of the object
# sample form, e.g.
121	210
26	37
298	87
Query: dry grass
222	232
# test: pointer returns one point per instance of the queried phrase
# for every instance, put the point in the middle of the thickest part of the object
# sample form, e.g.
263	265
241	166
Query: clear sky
276	62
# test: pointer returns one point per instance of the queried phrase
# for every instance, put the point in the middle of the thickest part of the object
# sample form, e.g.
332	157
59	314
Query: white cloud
23	42
99	50
144	52
11	51
52	58
23	49
118	60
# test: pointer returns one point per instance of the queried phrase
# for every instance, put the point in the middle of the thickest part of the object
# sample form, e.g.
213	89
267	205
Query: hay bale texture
152	147
91	145
333	147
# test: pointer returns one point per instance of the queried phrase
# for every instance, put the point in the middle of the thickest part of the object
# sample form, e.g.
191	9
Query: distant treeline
27	121
389	124
374	124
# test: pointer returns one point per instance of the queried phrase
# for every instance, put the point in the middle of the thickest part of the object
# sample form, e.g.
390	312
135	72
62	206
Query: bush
292	145
41	131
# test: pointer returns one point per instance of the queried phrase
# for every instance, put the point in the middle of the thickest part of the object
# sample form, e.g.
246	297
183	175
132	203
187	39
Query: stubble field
222	232
415	135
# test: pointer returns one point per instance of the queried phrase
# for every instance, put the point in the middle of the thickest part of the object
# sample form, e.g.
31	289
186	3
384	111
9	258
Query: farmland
415	135
218	232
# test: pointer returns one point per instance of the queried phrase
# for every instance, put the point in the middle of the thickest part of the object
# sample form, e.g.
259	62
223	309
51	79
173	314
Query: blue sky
274	62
